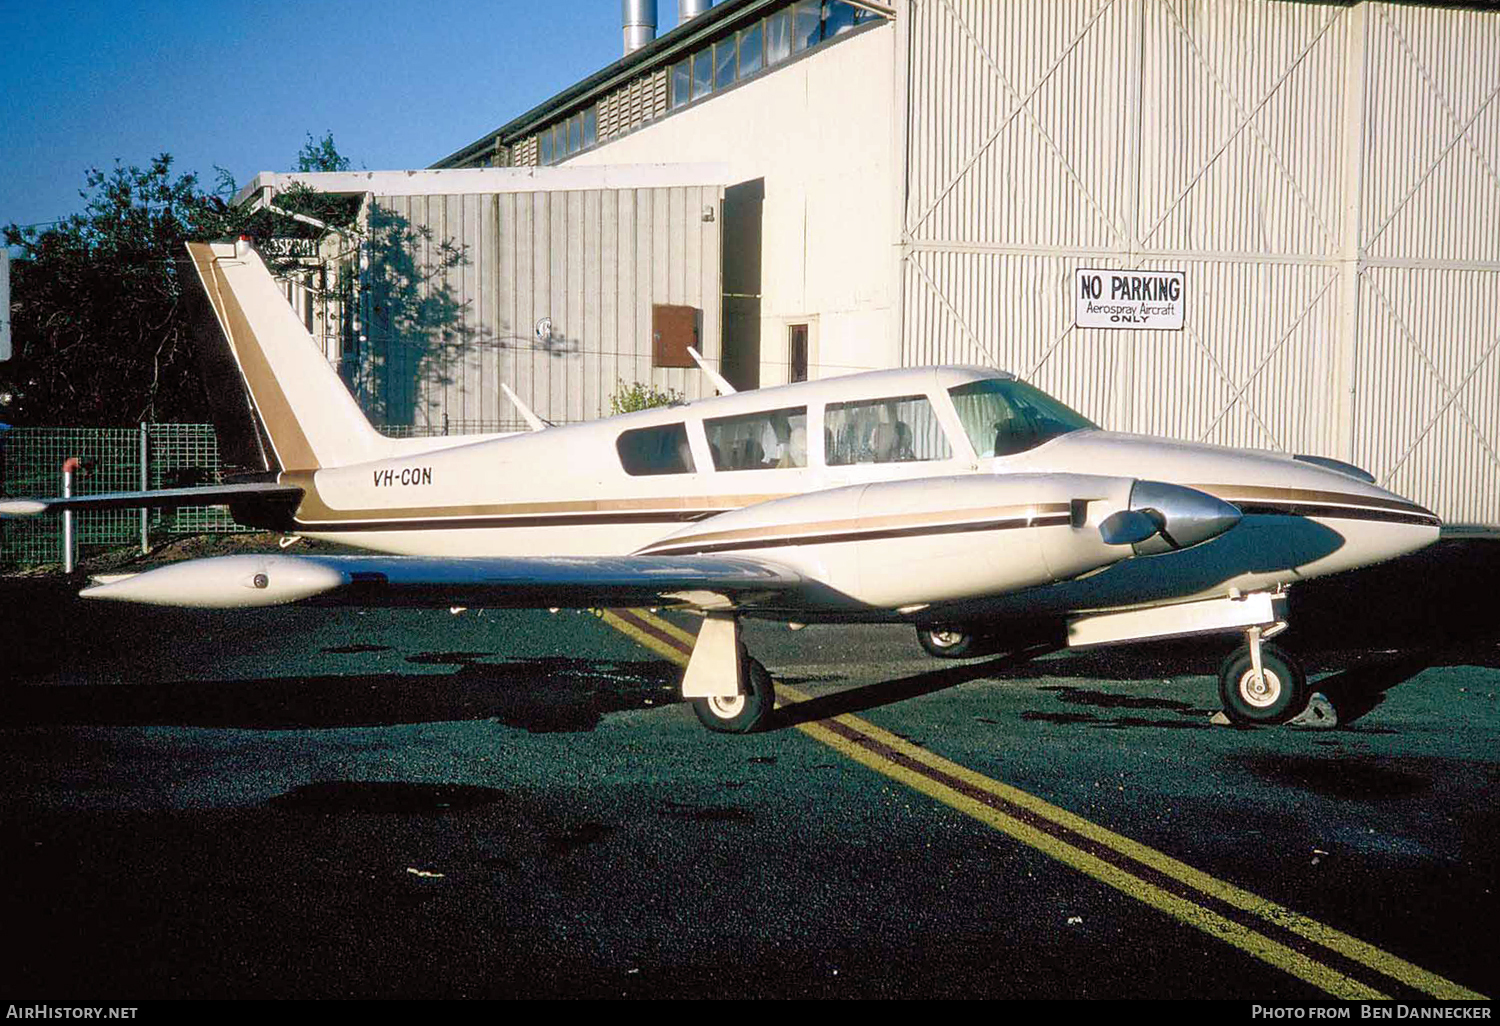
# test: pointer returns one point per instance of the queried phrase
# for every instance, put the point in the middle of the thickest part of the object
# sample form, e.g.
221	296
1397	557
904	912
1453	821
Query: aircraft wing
162	498
522	582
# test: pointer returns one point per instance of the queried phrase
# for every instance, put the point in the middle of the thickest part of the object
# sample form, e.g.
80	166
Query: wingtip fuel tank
224	582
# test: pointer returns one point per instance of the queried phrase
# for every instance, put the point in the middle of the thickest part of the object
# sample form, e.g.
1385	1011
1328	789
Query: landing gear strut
1260	683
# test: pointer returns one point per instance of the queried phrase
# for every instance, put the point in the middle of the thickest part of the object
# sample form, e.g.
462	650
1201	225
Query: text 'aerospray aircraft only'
956	499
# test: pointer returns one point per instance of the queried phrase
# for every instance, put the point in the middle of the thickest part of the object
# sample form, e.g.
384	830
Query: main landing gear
1260	683
952	642
746	712
731	692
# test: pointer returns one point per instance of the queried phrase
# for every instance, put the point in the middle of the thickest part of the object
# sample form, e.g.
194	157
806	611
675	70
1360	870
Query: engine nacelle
891	544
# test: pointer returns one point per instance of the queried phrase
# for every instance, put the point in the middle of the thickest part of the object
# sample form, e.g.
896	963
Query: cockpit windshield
1003	417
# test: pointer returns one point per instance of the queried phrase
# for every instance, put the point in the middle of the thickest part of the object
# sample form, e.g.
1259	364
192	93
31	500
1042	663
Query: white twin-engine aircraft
955	499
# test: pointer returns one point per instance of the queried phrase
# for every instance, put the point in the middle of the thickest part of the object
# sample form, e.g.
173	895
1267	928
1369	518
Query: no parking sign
1118	298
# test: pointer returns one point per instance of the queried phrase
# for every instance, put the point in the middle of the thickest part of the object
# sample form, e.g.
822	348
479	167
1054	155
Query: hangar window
778	37
807	24
770	440
724	51
655	450
750	53
1003	417
841	17
761	44
797	352
703	72
897	430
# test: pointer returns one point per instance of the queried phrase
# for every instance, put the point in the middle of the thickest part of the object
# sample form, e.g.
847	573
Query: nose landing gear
1260	683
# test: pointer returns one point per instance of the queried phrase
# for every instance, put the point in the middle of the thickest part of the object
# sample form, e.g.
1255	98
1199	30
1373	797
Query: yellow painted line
1334	940
1235	934
686	637
1268	950
640	637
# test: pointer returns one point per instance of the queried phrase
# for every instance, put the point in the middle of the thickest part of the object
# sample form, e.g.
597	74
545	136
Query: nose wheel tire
746	712
1279	694
949	642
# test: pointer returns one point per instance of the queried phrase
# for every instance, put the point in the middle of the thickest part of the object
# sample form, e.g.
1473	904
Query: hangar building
917	181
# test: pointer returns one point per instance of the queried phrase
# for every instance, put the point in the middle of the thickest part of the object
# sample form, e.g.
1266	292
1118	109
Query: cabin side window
896	430
770	440
655	450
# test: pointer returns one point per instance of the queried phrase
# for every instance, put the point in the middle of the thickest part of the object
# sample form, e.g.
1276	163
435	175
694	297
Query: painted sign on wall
1120	298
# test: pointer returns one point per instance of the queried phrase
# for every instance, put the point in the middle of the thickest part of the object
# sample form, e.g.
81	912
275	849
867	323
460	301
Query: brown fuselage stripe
1104	853
315	515
1272	496
934	518
1295	509
664	517
689	547
315	511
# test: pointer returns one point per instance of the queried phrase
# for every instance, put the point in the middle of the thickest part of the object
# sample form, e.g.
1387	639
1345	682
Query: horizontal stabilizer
163	498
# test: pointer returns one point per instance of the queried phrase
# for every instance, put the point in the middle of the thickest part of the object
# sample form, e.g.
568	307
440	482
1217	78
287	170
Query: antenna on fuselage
724	387
537	423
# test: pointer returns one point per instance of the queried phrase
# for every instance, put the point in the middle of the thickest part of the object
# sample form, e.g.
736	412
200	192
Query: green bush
636	396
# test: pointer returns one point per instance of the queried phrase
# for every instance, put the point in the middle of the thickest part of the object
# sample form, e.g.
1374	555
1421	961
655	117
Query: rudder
306	417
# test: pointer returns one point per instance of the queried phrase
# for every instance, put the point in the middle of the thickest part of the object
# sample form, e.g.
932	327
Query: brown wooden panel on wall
673	330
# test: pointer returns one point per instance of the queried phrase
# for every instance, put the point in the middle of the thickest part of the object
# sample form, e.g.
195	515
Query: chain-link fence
453	427
176	456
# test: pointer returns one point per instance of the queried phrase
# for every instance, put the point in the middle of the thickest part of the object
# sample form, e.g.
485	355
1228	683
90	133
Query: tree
321	155
101	336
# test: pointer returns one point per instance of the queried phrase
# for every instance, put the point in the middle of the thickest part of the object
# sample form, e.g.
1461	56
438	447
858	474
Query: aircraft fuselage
580	490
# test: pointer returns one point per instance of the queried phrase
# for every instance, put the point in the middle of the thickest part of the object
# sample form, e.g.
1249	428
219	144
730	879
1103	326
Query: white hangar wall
591	263
458	268
1327	176
820	132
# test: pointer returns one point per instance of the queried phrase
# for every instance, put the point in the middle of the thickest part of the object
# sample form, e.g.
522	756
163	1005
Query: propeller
1166	517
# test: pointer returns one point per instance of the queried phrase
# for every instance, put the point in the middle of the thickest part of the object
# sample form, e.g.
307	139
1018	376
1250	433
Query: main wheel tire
950	642
746	712
1278	697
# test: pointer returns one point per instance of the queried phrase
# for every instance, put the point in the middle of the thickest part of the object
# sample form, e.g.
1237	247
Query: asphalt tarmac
306	802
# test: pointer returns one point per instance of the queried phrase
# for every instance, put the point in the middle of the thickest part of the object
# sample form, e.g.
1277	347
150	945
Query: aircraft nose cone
1184	516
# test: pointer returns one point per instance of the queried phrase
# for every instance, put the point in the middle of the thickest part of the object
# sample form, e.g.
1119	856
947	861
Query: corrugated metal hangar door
1326	177
551	292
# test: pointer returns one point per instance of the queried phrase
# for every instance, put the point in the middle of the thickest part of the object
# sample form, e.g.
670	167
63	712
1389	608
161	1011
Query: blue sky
241	85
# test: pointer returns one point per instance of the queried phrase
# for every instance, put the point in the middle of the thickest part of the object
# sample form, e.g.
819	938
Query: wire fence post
145	484
70	465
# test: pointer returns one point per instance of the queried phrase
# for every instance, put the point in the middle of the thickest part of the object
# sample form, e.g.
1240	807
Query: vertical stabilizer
308	416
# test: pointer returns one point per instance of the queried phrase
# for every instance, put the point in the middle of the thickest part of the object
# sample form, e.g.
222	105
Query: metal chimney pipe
689	9
638	18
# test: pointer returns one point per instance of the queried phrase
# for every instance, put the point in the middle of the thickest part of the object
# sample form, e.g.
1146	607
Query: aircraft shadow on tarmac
546	695
1376	628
